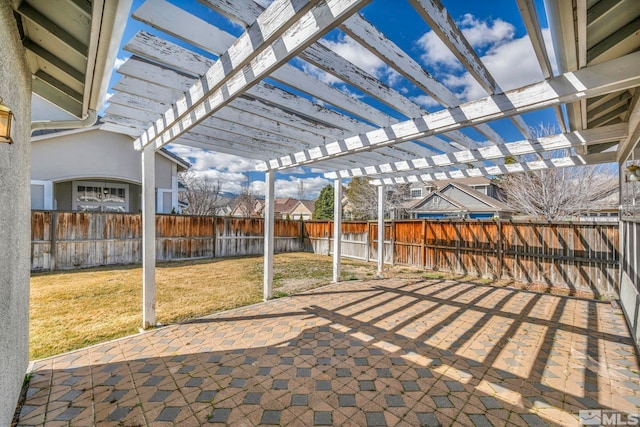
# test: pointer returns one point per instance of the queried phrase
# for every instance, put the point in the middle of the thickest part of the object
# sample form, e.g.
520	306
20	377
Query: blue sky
496	33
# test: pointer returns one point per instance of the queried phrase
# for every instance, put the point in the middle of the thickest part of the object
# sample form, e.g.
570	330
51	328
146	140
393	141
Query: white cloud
511	61
202	160
321	75
289	187
355	53
118	63
480	34
513	64
360	56
229	182
435	52
108	96
425	101
297	171
231	171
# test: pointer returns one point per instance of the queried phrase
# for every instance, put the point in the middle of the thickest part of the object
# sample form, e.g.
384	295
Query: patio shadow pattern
374	353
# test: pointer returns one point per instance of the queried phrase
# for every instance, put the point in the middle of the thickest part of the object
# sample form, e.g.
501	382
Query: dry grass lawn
74	309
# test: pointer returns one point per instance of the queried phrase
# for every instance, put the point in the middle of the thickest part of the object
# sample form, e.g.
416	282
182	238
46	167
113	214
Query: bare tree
557	193
301	190
364	198
201	193
246	200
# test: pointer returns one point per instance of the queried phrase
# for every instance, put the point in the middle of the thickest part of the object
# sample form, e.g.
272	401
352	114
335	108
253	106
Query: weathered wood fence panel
184	237
578	256
68	240
41	223
575	255
630	275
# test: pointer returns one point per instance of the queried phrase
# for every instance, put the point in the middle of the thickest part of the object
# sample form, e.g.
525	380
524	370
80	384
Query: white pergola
249	96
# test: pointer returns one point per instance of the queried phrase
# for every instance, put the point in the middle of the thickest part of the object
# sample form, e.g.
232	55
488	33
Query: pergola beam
443	24
559	162
375	41
283	31
538	145
150	46
245	11
532	24
614	75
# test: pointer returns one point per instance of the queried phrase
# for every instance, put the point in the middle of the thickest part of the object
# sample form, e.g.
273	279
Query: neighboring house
419	190
606	210
93	169
243	210
224	206
283	208
457	200
303	210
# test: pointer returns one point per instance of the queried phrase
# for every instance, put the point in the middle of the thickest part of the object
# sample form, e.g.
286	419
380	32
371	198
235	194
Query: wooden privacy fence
68	240
576	255
580	256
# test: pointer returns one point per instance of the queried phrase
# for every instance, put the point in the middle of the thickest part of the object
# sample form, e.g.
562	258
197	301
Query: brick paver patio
377	353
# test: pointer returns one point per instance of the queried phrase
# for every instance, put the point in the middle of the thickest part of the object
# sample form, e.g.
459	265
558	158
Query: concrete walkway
377	353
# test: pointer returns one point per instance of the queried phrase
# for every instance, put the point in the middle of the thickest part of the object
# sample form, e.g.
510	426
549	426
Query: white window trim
74	193
47	193
416	190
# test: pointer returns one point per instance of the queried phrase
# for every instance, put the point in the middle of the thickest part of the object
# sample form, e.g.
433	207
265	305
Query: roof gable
471	198
437	202
459	197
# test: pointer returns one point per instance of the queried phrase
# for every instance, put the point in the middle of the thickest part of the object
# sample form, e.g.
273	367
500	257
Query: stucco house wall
64	161
15	89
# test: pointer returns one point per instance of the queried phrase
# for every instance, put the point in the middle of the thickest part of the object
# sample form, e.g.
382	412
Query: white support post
160	200
174	192
48	195
148	238
337	228
381	190
268	233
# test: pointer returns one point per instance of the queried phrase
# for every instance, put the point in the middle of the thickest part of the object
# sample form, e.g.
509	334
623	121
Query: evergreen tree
324	205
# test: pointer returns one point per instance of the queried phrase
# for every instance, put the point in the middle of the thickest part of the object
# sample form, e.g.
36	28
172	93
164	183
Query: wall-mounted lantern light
632	171
5	123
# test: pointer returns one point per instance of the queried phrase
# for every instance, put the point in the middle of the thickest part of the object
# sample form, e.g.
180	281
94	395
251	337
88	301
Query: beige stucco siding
15	218
94	154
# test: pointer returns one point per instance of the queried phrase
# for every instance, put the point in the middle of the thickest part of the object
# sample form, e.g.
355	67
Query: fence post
367	242
458	251
500	249
424	244
53	229
392	234
330	235
213	236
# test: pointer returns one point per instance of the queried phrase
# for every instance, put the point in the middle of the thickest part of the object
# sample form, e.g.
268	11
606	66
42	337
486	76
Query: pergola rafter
618	74
556	162
252	95
564	141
